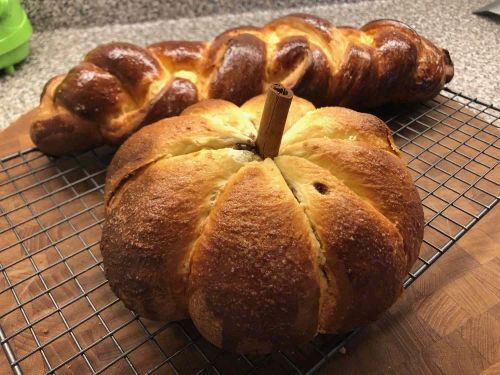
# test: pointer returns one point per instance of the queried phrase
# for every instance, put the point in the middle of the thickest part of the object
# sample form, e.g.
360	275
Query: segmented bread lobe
376	176
236	58
153	222
169	137
254	282
337	123
56	130
262	255
365	259
174	97
120	87
224	113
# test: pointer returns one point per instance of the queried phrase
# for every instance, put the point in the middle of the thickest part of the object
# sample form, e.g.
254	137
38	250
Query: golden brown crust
262	255
289	54
377	176
120	87
243	57
363	250
151	226
224	113
179	94
358	68
269	269
56	130
340	123
179	55
308	23
91	93
303	68
135	67
63	133
169	137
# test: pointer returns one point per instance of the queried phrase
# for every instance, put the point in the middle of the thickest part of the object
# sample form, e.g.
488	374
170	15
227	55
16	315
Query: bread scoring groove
320	250
159	215
203	226
137	172
348	185
377	176
253	263
356	238
112	199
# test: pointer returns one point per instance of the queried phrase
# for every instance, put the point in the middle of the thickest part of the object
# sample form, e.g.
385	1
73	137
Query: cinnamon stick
273	120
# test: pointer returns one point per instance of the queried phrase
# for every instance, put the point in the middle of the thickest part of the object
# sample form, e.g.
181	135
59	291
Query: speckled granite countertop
472	41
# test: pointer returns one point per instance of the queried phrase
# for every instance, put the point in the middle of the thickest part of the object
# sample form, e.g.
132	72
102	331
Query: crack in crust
186	134
362	247
151	228
325	279
113	199
376	175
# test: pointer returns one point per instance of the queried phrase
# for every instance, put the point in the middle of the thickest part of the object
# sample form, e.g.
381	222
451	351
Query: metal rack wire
57	311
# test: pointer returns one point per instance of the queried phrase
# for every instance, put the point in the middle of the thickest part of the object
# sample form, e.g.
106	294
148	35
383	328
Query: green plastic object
15	32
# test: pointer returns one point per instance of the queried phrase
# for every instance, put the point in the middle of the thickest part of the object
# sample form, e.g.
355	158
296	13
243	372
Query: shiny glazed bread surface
120	87
261	254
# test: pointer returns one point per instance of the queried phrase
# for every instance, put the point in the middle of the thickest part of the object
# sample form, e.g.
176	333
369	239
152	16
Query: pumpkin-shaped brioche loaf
260	254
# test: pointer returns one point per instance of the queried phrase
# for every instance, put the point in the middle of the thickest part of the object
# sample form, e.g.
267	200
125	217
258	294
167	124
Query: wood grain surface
447	322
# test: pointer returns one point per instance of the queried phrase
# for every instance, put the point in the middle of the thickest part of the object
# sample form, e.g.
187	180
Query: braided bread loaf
261	254
120	87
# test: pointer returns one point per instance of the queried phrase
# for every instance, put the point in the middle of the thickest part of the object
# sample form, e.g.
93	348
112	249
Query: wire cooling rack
58	314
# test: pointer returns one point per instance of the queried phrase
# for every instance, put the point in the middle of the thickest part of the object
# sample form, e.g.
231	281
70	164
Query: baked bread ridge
316	240
120	87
